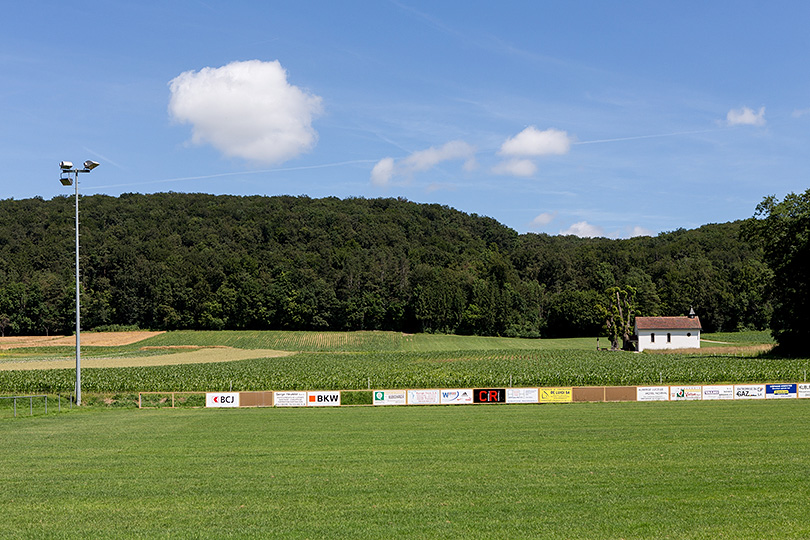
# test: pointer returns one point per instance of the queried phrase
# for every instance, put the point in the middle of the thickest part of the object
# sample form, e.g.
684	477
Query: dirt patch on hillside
182	347
97	339
200	356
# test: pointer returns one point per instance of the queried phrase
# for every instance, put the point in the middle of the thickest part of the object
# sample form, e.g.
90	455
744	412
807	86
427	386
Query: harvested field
97	339
198	356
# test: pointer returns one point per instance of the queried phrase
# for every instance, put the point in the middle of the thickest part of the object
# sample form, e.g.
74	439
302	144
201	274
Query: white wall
678	339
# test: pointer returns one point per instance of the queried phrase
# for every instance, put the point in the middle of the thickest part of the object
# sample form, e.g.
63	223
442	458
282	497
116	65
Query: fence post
46	403
15	407
30	405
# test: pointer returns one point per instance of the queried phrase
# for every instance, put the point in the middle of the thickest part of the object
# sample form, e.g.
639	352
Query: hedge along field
386	369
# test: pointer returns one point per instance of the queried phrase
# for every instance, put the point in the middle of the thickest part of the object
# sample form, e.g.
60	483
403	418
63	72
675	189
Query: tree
573	314
782	230
191	260
619	315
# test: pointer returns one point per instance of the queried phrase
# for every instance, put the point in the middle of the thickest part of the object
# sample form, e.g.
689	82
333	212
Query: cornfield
436	369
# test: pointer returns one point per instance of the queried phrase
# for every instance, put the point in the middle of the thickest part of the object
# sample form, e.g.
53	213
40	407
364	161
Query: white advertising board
423	397
780	391
652	393
718	391
521	395
456	396
323	399
222	399
389	397
290	399
685	393
749	391
804	390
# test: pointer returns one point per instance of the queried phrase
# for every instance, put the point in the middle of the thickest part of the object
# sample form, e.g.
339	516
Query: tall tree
782	230
619	314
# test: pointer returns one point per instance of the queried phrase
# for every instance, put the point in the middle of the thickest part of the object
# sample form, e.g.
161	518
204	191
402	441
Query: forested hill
176	260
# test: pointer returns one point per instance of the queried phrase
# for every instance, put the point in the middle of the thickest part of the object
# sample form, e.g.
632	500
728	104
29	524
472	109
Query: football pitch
602	470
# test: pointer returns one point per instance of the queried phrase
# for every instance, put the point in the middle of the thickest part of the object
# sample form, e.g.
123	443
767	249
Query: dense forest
196	261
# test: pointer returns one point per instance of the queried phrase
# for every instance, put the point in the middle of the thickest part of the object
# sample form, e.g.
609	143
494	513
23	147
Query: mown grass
393	341
356	341
630	470
749	337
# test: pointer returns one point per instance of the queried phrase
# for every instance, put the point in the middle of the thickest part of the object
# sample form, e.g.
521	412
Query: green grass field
359	341
303	342
609	470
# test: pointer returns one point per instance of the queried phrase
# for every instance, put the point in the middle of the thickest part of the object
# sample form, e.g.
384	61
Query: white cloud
746	117
382	172
543	219
583	229
246	110
423	160
798	113
640	231
515	167
532	142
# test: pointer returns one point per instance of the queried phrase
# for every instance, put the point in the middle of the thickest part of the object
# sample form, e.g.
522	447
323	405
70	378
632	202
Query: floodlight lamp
90	165
66	181
65	165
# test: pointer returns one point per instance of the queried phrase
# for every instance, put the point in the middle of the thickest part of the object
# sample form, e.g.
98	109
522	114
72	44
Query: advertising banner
489	395
804	390
389	397
555	395
522	395
652	393
290	399
749	391
457	396
685	393
323	399
423	397
780	391
718	391
222	399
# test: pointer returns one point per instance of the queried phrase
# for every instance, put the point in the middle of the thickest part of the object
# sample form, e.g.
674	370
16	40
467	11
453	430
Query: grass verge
628	470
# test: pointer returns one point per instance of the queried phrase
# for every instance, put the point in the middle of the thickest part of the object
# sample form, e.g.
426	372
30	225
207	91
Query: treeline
196	261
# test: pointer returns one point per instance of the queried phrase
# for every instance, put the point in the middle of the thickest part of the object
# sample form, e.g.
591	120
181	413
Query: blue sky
591	118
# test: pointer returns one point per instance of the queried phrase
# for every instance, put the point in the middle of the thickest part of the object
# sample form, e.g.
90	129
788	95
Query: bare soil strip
98	339
200	356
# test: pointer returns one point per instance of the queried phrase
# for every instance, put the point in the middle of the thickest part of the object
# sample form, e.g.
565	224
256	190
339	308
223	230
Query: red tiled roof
668	323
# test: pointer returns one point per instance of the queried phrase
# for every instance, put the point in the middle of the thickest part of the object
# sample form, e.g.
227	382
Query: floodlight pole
78	305
67	170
